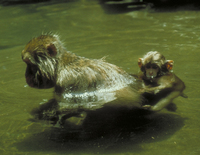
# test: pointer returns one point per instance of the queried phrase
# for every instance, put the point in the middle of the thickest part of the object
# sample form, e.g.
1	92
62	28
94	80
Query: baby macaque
80	84
159	81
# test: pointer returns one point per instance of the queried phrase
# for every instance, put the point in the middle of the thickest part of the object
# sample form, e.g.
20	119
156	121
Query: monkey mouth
151	76
31	69
36	79
30	75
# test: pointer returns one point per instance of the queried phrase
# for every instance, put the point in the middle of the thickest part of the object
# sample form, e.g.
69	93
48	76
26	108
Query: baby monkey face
151	70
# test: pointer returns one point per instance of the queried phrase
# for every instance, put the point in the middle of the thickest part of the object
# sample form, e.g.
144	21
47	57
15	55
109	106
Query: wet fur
81	84
161	90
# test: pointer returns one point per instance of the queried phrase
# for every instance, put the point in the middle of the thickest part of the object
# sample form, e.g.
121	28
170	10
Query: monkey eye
148	66
36	58
39	56
154	66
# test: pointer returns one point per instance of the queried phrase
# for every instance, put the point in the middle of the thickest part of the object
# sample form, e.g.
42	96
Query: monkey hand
151	108
151	90
146	89
148	107
143	90
156	91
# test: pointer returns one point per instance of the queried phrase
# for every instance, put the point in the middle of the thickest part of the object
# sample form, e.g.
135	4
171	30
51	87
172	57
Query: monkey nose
150	73
26	58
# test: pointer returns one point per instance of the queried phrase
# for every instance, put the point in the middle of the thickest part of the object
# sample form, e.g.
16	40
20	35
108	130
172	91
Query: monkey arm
155	90
163	102
164	82
184	95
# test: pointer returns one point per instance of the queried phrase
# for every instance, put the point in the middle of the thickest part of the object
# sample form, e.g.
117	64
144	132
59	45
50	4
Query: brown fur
80	83
161	90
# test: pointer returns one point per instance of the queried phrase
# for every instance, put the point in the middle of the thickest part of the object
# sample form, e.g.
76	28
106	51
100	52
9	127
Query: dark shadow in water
106	131
4	47
19	2
112	7
172	3
14	2
117	6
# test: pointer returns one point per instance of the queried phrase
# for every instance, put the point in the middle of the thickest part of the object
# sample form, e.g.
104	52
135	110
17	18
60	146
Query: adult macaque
159	81
80	84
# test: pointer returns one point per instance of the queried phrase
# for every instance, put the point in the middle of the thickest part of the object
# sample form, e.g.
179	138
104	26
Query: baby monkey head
40	56
153	64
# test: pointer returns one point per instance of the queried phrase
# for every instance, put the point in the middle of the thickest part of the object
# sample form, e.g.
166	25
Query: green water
88	30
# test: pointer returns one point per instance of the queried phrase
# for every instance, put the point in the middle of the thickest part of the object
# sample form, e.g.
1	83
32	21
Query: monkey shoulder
166	78
179	84
170	80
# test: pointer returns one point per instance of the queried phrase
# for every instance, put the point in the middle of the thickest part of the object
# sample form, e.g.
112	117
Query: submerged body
80	84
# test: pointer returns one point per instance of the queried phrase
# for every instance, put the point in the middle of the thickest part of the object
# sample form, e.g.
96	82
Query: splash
98	88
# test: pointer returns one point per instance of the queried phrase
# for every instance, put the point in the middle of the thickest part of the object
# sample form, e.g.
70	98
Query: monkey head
153	64
40	56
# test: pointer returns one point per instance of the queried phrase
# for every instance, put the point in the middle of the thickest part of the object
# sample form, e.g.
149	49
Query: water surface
90	31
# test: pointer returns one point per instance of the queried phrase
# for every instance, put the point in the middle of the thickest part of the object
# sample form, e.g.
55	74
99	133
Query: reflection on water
89	31
117	137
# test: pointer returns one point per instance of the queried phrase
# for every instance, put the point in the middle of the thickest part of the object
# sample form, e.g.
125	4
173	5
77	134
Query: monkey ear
140	62
169	64
51	50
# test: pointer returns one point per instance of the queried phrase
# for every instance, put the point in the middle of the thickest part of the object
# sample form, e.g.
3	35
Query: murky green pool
88	30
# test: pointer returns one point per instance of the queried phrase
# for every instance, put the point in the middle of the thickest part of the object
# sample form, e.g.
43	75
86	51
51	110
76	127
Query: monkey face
37	77
151	70
40	58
